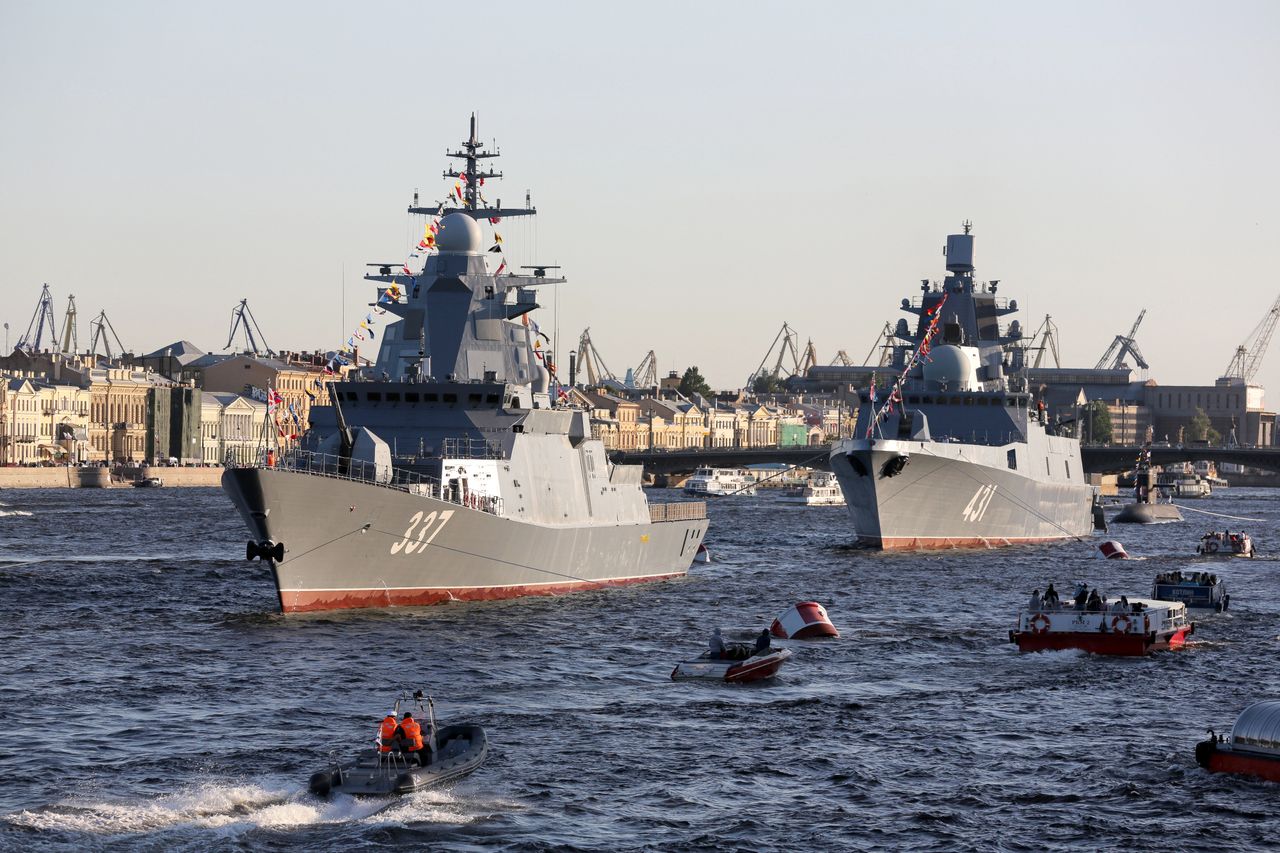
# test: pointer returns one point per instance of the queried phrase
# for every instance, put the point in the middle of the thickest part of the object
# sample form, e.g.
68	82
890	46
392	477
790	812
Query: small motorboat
148	483
1225	544
1146	626
702	555
1197	590
1254	746
806	620
456	751
739	664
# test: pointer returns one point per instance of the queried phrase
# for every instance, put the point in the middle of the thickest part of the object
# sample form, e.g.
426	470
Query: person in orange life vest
410	739
387	732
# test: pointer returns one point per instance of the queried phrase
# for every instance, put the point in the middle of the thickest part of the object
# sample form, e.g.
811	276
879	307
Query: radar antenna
242	319
43	317
472	175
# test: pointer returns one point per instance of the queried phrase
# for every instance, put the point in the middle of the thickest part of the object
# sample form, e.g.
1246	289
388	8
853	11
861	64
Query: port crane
842	359
70	343
590	363
1113	358
33	338
1248	357
884	343
99	328
1047	338
646	374
785	344
242	319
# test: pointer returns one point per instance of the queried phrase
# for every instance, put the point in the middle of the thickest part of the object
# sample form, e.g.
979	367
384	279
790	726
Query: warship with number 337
957	451
448	470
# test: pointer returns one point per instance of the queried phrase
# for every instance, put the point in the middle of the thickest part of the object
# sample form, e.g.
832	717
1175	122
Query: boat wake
9	512
244	806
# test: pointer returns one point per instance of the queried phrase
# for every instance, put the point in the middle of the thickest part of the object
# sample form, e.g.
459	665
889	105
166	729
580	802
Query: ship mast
471	172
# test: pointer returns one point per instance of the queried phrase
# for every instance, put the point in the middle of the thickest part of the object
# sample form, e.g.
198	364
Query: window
492	398
1047	471
351	396
393	396
1013	460
1067	464
451	398
473	398
411	396
374	396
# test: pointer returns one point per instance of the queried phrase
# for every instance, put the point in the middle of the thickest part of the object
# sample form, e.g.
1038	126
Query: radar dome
956	366
459	233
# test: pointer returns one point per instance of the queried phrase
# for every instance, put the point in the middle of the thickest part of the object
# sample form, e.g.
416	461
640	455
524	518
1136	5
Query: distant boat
148	483
720	482
821	489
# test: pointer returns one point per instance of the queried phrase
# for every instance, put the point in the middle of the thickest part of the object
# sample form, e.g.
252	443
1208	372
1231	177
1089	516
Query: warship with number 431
449	470
957	450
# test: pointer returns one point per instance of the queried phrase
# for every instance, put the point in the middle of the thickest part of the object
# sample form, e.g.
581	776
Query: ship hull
956	496
350	544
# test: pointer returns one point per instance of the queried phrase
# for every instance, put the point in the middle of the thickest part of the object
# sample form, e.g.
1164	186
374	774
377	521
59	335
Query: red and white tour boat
805	621
1147	626
1254	747
737	665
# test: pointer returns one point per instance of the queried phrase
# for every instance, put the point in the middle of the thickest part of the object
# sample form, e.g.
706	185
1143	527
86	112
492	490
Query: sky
703	171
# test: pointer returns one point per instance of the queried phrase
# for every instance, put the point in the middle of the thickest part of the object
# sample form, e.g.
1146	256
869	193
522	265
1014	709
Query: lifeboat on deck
738	664
805	621
1254	746
1147	626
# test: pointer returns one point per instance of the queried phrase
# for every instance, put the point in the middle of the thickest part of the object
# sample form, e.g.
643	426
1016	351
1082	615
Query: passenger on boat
1094	602
387	732
716	644
1037	603
1051	597
1082	596
410	740
763	642
1118	606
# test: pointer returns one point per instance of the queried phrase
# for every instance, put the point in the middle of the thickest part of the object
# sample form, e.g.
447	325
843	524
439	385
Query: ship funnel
960	253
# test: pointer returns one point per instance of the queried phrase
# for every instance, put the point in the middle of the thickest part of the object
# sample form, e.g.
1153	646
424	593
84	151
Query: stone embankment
101	478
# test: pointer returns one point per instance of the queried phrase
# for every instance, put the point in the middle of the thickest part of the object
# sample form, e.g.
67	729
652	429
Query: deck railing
681	511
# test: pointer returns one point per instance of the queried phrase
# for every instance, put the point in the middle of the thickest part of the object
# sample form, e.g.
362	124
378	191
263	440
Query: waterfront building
241	374
118	414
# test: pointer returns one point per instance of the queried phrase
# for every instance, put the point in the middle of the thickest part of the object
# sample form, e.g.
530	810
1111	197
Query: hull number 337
422	529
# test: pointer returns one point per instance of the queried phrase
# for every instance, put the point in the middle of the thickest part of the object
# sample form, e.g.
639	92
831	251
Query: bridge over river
1097	459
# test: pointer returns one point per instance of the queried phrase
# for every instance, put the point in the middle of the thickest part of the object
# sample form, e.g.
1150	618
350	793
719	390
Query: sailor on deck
387	732
1037	604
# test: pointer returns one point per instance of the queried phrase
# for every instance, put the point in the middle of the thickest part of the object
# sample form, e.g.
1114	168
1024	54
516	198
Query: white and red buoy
1113	550
805	621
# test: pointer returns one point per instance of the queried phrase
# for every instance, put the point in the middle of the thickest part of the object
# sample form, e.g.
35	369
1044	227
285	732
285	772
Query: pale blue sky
703	170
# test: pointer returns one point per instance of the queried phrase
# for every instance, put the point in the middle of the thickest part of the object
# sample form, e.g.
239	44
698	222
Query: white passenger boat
720	482
821	489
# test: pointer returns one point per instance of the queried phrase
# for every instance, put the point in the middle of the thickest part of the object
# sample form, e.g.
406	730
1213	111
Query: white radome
951	365
459	233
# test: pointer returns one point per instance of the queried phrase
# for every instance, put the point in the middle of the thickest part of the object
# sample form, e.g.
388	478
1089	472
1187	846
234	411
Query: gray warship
449	470
966	458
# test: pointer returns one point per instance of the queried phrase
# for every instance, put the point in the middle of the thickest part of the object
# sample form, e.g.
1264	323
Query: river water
154	699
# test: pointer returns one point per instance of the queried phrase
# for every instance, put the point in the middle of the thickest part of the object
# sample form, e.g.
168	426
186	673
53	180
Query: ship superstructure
953	449
449	470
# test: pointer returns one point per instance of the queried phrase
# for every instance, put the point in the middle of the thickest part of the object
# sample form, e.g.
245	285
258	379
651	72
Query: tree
1201	428
1097	422
693	383
767	383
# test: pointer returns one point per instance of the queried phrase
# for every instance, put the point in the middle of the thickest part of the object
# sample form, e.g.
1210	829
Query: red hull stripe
1110	643
304	600
1249	765
926	543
